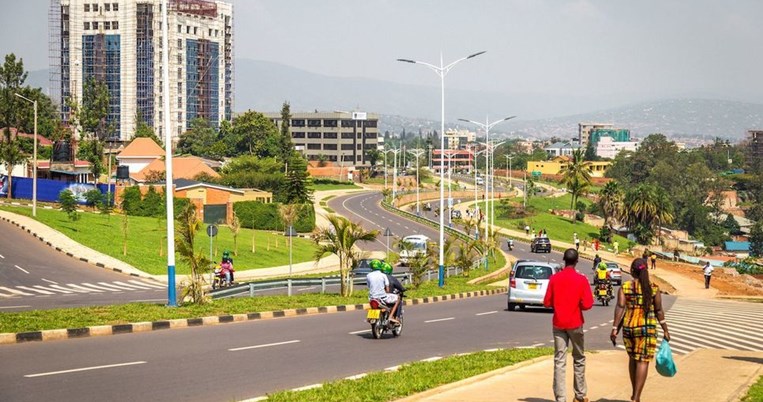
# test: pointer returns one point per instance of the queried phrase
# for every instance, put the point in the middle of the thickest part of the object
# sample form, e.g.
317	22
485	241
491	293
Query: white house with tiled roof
139	154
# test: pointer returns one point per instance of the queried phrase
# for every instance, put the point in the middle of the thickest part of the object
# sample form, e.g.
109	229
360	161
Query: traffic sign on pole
212	230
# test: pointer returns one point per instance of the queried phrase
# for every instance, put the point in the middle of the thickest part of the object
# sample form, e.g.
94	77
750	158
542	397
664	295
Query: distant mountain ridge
264	86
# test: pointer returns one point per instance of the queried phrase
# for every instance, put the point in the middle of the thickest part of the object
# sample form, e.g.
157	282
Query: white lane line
393	368
67	289
306	387
84	369
84	289
14	307
356	376
111	285
263	346
22	269
536	345
90	285
594	327
432	359
53	289
487	312
2	256
44	292
14	291
49	281
125	286
359	332
133	285
491	350
152	285
440	319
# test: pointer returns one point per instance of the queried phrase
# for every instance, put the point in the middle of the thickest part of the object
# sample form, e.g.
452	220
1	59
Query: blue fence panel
48	190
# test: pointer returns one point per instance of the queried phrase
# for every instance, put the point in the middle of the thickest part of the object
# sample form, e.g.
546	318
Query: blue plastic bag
665	364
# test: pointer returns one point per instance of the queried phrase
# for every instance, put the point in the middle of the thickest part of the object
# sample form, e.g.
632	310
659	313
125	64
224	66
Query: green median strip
412	378
755	393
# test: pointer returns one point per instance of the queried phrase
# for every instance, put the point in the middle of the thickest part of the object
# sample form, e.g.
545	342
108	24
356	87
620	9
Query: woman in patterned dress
638	313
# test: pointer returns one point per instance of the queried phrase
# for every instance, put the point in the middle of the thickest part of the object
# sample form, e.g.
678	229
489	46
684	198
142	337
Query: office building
458	139
119	43
617	135
336	136
584	131
460	160
756	149
607	147
560	149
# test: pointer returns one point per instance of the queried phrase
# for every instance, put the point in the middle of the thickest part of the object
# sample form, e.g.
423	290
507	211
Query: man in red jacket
569	294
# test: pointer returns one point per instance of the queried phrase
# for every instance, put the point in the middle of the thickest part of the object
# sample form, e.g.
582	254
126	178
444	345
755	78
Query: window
180	101
180	59
115	6
329	123
87	25
347	135
347	123
114	24
187	29
87	7
217	32
180	29
180	44
180	117
331	136
297	122
95	24
194	30
329	147
313	146
107	7
210	31
298	134
313	123
347	147
180	88
313	135
95	7
180	73
107	25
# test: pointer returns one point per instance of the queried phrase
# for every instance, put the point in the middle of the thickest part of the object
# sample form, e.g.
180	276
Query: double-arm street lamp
442	71
417	152
34	157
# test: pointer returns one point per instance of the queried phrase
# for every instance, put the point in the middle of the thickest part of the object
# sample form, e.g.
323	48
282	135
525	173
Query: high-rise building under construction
119	43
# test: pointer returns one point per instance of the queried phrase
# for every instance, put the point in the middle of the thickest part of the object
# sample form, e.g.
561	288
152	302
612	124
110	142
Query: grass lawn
756	392
325	187
139	312
412	378
146	244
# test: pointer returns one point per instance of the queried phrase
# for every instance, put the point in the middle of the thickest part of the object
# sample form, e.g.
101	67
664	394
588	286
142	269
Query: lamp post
290	232
442	71
394	151
34	158
385	168
493	147
450	157
524	202
168	189
417	152
387	234
511	176
476	206
487	126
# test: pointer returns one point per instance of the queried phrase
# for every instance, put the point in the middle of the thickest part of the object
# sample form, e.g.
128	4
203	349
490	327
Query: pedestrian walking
708	271
616	247
638	310
569	294
653	258
596	261
596	244
576	240
527	230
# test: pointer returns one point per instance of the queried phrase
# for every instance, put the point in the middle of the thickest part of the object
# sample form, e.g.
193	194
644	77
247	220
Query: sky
616	51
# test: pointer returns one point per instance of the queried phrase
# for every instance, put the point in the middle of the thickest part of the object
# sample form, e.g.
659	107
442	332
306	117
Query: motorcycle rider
226	258
510	244
603	277
394	284
379	288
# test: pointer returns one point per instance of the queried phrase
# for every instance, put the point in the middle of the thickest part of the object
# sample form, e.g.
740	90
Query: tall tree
296	188
256	135
339	238
199	140
576	175
11	155
143	130
610	202
756	240
12	78
287	147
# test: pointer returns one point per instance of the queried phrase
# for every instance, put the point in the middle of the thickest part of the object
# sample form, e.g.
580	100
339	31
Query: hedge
258	215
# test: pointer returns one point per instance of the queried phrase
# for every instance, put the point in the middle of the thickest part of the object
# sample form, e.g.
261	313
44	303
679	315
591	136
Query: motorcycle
378	317
510	244
219	280
604	293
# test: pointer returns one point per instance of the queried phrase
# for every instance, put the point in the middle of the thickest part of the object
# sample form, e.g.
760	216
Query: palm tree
467	254
663	211
235	229
11	155
611	203
339	238
576	175
645	209
188	225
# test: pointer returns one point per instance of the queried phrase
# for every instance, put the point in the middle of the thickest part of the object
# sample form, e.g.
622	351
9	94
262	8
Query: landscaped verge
755	393
412	378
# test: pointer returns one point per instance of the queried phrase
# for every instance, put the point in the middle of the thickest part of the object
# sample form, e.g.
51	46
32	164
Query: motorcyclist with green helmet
379	288
226	260
394	284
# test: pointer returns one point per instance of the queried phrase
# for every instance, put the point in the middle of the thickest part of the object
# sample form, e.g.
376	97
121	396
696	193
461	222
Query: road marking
536	345
2	256
90	285
356	376
491	350
306	387
393	368
440	319
53	289
44	292
109	285
84	289
594	327
49	281
14	307
432	359
120	285
263	346
83	369
134	285
487	312
152	285
14	291
603	324
63	289
359	332
22	269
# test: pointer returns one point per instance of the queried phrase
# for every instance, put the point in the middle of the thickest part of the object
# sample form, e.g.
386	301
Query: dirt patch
727	285
665	287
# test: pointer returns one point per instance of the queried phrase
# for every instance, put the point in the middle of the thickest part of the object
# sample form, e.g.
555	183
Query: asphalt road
250	359
35	276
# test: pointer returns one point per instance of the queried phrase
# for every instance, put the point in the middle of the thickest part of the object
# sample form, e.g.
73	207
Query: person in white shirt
378	288
708	270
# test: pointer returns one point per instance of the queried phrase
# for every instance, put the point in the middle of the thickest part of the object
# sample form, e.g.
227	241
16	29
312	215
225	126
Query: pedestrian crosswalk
715	324
54	288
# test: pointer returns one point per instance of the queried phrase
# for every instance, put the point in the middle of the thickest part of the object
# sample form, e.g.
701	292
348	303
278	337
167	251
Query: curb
68	254
101	330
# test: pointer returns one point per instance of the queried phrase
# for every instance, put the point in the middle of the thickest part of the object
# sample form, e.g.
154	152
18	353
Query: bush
332	181
258	215
68	204
131	200
152	204
93	198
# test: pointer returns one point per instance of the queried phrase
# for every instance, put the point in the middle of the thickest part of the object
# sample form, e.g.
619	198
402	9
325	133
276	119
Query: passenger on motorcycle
226	258
394	284
379	288
603	276
226	270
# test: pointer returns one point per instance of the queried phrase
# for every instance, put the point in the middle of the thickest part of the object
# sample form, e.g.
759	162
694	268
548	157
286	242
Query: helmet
386	268
226	254
375	265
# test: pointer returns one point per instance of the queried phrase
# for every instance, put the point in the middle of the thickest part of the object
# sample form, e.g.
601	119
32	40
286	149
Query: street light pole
450	157
168	188
441	71
34	158
394	151
385	168
493	147
417	152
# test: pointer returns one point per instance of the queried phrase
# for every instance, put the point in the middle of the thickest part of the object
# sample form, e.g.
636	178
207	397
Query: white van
419	248
479	181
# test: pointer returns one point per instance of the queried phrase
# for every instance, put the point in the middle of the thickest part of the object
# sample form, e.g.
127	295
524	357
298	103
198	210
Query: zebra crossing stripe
152	285
113	285
44	292
84	289
55	290
132	286
711	341
90	285
67	289
704	314
744	323
719	328
16	292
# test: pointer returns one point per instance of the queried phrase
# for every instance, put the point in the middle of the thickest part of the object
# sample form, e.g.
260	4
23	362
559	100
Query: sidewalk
704	375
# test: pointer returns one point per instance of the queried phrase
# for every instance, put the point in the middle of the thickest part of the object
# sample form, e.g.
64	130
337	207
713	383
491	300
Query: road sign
212	230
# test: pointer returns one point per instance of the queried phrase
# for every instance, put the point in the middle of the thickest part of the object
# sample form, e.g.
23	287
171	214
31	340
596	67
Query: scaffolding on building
56	55
196	7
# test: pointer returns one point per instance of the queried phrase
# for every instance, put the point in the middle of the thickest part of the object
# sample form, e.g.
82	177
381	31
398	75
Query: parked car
362	268
614	273
528	283
540	245
479	181
455	214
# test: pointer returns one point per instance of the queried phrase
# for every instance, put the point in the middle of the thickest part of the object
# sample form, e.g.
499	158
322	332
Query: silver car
528	283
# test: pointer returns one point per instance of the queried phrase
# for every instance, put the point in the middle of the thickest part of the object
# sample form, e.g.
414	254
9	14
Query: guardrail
252	287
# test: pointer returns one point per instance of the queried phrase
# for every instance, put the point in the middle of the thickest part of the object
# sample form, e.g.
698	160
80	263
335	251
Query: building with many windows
459	139
607	147
756	149
336	136
585	129
119	43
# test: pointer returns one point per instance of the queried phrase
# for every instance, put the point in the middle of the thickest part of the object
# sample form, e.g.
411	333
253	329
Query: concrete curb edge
101	330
